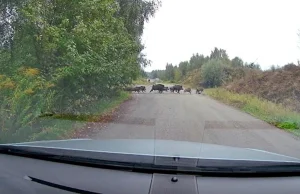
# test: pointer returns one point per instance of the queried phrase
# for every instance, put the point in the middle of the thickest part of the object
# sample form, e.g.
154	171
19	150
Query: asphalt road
196	118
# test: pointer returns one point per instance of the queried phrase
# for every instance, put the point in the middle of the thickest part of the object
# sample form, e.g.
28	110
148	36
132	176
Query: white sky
264	31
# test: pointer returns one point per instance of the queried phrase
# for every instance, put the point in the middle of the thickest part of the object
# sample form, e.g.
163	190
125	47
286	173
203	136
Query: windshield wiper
57	155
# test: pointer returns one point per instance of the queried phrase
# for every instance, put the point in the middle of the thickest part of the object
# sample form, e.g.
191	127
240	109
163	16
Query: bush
287	125
212	73
23	97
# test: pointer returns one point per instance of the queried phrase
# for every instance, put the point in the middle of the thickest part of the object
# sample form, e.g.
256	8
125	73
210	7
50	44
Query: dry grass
281	86
275	114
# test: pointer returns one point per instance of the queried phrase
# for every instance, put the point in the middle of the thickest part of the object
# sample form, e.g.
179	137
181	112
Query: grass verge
141	81
65	125
270	112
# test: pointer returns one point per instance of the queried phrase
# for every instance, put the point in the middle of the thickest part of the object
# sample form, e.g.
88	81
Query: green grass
141	81
65	125
168	82
270	112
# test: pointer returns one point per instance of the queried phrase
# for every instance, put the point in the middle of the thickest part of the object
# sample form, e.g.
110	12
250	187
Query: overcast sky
264	31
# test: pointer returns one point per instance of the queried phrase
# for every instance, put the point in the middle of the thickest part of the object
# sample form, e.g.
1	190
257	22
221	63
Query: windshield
204	79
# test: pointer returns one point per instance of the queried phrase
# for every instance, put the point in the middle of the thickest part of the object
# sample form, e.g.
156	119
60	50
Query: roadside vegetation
141	81
64	126
275	114
61	58
272	95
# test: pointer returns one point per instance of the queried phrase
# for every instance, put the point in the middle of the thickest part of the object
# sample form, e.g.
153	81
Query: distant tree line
214	69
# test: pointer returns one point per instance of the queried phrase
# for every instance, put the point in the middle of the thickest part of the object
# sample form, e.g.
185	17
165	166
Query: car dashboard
28	175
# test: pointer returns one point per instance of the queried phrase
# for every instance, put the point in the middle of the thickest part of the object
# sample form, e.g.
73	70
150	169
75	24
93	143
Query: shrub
23	97
212	73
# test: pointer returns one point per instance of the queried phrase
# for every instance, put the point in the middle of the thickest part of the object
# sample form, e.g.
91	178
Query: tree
196	61
86	47
169	73
177	74
62	56
237	62
134	14
212	73
183	67
219	54
154	74
158	74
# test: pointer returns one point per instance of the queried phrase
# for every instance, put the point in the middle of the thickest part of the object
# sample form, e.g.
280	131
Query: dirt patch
91	128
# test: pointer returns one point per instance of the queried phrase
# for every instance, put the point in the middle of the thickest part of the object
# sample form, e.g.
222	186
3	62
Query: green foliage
23	97
158	74
237	62
220	54
134	14
218	69
212	73
169	72
197	61
287	125
177	74
64	126
183	67
193	78
61	56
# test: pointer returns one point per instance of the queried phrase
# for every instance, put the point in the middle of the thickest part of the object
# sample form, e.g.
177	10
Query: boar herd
161	88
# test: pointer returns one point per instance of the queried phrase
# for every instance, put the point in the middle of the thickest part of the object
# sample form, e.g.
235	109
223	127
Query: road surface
196	118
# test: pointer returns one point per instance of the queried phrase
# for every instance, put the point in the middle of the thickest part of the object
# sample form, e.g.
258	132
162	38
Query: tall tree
169	73
237	62
134	14
196	61
220	54
177	74
212	73
183	67
86	47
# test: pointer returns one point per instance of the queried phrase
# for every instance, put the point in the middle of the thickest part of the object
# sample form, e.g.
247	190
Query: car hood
164	148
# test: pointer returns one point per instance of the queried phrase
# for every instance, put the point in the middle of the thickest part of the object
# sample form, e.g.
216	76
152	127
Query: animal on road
189	90
166	89
143	88
177	88
159	87
137	89
172	89
199	90
128	89
134	89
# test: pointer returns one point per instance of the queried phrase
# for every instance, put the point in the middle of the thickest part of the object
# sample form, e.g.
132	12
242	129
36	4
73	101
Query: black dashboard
27	175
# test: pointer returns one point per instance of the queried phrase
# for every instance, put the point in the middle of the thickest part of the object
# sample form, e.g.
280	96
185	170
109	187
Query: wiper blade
57	155
25	151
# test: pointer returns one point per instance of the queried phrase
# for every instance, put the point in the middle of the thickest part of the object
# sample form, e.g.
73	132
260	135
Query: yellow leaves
7	83
50	85
29	91
31	72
